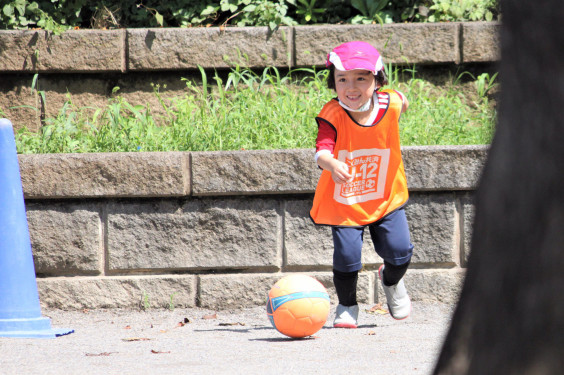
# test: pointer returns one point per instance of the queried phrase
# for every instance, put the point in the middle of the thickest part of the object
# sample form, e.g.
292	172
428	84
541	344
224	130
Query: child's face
354	87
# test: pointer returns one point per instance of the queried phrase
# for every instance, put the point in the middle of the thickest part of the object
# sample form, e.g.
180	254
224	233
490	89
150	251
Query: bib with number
373	156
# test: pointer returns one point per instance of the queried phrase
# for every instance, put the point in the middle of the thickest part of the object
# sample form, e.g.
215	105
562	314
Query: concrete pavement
199	341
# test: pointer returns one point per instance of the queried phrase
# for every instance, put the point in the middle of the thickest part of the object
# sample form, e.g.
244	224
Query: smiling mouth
354	101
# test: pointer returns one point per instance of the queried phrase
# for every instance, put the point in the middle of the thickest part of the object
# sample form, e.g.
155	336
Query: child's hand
339	170
340	173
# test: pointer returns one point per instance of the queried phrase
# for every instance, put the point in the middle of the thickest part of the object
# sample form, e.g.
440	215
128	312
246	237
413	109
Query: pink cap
355	55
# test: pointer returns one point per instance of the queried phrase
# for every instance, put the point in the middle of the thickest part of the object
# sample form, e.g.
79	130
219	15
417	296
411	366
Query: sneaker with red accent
346	316
399	303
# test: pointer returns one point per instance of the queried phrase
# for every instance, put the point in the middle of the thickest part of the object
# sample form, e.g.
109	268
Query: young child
363	183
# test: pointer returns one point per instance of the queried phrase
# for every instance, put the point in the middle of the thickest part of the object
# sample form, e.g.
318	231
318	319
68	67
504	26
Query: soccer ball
297	306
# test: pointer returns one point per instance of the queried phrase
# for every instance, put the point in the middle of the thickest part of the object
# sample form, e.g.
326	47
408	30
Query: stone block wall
89	64
218	229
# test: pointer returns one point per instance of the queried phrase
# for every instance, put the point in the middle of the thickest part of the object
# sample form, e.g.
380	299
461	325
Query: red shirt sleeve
326	136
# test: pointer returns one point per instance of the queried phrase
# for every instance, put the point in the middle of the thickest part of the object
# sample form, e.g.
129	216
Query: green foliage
484	83
309	11
171	305
463	10
59	15
144	304
171	13
446	118
255	110
271	13
370	11
54	15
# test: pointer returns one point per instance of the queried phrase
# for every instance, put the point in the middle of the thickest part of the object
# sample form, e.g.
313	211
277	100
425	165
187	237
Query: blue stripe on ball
276	302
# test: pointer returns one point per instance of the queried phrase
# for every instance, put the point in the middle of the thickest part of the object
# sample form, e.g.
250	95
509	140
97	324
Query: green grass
246	110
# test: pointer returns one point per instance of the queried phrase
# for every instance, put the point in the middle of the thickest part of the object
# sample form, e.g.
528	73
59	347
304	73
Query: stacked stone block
217	229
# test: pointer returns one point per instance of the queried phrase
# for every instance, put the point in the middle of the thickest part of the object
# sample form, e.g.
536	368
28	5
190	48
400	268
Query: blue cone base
20	311
31	328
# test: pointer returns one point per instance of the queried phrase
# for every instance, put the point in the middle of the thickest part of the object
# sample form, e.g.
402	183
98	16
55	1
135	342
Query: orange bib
373	156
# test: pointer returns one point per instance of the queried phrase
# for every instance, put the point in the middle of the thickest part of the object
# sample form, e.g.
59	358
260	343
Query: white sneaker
399	303
346	317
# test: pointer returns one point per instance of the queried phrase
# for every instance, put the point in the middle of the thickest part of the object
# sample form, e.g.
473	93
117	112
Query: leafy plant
484	83
271	13
444	117
370	11
22	14
409	10
309	10
144	304
171	302
60	15
251	110
462	10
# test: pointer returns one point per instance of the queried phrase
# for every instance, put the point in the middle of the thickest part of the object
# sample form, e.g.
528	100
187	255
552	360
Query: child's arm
405	103
339	170
325	143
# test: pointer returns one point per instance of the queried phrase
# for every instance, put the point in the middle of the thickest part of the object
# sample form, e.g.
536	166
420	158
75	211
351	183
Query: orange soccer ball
298	305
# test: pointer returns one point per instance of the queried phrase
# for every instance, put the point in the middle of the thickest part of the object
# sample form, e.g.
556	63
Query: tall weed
248	110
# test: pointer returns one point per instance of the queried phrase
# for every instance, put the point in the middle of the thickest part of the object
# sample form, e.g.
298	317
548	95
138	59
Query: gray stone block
481	41
432	223
126	174
305	244
431	219
66	239
398	43
468	212
155	174
308	245
213	47
254	172
194	234
75	50
434	285
245	290
433	226
118	292
431	168
235	291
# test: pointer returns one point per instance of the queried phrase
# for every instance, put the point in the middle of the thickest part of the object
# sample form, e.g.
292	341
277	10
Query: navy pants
390	236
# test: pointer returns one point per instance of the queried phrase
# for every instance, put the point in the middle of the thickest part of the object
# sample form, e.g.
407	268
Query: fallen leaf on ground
377	309
184	322
127	327
157	352
136	339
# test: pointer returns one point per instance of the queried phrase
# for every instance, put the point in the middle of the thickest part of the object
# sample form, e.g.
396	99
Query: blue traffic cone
20	312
